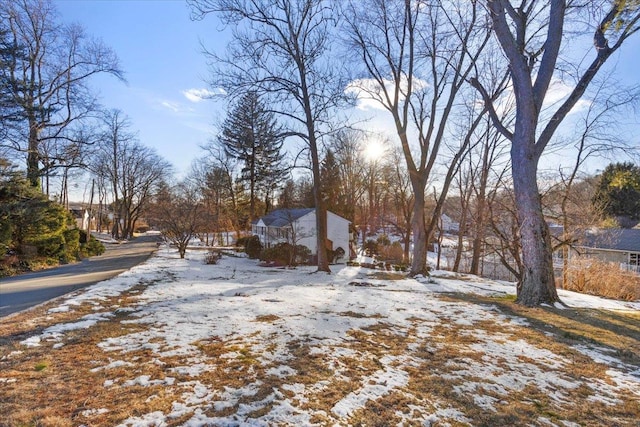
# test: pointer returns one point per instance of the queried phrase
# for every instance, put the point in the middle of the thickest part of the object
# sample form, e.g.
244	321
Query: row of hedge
279	254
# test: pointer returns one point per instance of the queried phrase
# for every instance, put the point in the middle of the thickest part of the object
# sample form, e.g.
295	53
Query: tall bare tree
347	144
416	58
280	50
531	34
131	170
48	77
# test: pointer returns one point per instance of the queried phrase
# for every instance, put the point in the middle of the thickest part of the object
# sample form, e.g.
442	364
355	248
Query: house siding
338	232
304	229
608	255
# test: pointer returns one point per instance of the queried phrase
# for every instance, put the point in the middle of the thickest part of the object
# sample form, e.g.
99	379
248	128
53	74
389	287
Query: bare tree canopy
280	50
414	60
531	36
129	169
46	70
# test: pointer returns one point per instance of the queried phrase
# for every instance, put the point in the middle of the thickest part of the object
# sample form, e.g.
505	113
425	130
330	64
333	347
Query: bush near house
252	246
335	256
286	254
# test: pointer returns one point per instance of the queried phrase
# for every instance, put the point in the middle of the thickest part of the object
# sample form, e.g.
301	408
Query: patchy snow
184	304
94	412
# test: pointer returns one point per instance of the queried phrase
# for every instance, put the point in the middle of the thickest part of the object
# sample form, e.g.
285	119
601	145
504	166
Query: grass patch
386	275
267	318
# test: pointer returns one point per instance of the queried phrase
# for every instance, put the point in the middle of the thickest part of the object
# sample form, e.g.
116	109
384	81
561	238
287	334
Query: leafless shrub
212	257
606	279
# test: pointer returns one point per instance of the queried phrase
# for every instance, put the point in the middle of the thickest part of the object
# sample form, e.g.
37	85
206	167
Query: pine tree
618	192
251	135
31	225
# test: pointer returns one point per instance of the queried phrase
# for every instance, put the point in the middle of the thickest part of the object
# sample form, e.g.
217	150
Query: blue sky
160	52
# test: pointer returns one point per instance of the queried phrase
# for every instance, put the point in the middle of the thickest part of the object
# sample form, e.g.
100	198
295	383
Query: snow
185	302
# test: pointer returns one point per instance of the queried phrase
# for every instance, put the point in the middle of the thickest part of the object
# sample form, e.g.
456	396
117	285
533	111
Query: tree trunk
478	235
537	285
419	261
460	249
321	214
33	158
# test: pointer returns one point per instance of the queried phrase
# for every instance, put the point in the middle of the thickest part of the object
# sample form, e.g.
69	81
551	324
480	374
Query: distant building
617	245
81	215
298	226
448	225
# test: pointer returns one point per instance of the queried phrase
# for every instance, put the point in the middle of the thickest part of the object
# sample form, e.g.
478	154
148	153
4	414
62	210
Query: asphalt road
27	290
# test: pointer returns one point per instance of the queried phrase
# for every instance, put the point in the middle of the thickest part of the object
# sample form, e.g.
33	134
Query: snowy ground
283	343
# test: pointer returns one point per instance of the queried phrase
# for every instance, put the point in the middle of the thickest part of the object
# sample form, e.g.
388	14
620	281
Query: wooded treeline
474	94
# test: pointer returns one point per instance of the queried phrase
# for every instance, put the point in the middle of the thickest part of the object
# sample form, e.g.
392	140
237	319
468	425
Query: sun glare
374	150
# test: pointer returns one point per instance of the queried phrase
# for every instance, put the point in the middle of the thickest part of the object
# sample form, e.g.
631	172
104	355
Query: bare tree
219	184
48	78
280	50
531	35
176	211
416	58
347	146
130	169
402	198
571	196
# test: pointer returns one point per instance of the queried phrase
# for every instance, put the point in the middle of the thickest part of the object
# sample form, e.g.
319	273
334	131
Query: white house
298	226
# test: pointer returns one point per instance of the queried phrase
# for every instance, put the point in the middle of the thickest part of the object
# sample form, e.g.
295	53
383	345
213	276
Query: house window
634	258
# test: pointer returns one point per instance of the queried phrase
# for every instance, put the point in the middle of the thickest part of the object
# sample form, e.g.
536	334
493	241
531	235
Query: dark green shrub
53	248
71	247
253	247
242	241
92	247
286	254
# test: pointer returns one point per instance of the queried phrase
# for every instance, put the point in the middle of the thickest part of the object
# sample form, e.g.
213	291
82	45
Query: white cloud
558	92
370	94
171	106
197	95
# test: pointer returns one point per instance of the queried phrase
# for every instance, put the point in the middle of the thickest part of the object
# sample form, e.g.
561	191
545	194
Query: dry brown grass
594	277
44	386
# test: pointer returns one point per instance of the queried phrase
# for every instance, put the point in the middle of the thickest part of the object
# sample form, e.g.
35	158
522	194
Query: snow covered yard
177	342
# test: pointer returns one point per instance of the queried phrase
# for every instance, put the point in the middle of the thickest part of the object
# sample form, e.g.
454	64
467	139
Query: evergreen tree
618	192
10	52
251	135
287	198
31	226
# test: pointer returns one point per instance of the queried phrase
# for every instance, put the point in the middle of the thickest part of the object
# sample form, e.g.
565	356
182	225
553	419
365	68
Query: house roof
283	217
619	239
